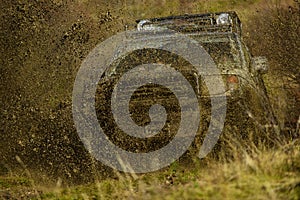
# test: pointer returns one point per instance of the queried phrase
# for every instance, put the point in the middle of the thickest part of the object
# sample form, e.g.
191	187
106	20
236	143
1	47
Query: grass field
263	174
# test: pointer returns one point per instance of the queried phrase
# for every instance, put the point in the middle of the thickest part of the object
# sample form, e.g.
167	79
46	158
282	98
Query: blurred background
43	43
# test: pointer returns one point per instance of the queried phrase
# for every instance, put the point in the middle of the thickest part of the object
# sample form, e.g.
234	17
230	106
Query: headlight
223	19
144	25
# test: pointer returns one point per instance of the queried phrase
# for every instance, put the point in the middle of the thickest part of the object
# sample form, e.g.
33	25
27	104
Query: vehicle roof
191	23
190	16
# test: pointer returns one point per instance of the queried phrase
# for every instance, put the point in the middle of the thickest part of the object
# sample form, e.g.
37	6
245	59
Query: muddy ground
42	46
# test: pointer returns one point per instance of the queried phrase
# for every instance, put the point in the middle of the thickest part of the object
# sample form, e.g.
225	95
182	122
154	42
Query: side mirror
260	64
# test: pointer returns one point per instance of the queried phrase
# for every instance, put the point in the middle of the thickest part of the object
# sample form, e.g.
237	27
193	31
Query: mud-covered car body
248	107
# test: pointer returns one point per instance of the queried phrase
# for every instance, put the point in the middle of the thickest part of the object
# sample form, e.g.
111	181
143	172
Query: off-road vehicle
248	108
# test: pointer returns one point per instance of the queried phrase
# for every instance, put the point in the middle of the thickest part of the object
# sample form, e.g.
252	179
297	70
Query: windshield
224	51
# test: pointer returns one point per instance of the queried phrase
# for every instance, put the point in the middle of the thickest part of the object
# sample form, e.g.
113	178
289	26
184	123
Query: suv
248	107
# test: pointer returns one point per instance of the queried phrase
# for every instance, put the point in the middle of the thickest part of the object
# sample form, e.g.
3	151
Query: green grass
8	182
265	174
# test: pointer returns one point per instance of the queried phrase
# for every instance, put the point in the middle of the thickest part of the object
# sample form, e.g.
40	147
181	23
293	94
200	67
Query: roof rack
225	22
